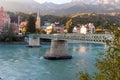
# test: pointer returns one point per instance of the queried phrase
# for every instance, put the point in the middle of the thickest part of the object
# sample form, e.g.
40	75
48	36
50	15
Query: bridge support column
58	50
34	42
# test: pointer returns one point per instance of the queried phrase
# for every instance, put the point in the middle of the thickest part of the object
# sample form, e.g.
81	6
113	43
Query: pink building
4	17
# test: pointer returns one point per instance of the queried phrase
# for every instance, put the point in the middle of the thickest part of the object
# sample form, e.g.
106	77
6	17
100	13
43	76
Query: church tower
38	21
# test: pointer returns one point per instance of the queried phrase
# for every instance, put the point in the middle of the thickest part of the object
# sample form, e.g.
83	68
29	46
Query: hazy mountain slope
76	6
19	5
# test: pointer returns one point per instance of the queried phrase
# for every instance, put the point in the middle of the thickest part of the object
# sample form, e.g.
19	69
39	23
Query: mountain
73	7
85	1
19	5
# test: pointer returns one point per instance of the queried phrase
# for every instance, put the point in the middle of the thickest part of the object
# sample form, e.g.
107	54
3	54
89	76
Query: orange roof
23	24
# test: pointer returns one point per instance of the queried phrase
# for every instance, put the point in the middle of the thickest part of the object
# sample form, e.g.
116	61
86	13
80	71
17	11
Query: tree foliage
52	19
69	26
108	64
14	16
40	31
96	19
7	32
31	24
83	76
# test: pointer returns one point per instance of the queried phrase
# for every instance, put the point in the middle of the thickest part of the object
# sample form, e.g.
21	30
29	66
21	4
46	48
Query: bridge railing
80	37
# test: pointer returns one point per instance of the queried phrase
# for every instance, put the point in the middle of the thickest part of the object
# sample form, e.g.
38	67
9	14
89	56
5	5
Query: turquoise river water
18	62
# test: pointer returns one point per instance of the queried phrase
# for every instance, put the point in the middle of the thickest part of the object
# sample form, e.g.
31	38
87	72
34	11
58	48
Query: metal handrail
80	37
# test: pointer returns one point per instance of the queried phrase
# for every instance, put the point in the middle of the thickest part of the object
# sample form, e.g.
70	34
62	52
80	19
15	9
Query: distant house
75	29
4	18
55	27
22	27
91	27
49	29
84	29
59	28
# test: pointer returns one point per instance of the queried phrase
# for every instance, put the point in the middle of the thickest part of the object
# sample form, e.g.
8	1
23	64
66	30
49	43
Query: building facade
4	18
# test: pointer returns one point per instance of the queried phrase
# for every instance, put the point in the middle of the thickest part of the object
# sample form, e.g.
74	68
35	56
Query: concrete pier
58	50
34	42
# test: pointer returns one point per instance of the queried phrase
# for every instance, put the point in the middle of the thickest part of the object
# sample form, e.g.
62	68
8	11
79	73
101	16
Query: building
4	18
22	27
49	29
84	29
59	28
38	21
56	28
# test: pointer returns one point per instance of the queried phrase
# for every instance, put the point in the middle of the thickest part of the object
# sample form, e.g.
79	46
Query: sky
54	1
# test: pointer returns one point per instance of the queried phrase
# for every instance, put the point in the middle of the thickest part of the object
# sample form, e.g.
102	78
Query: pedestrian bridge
58	49
91	38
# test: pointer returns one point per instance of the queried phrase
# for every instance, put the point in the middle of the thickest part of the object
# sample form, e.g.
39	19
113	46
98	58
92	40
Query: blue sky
54	1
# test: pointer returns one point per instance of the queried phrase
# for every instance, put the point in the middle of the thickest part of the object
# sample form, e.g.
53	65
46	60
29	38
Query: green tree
31	24
69	26
108	64
83	76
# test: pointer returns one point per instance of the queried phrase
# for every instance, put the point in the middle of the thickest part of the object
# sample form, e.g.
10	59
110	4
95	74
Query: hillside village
83	36
71	25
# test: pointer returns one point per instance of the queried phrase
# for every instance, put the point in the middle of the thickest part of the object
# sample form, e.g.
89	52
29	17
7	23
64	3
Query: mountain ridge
73	7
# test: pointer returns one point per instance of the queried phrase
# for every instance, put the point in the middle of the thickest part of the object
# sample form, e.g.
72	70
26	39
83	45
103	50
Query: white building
91	27
83	30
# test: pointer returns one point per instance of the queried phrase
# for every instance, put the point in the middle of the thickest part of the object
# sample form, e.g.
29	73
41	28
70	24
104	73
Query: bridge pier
34	42
58	50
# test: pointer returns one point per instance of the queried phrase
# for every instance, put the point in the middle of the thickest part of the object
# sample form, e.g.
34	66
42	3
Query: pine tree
31	24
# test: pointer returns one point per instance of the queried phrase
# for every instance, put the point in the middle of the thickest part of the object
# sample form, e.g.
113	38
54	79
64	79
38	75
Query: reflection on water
21	63
81	49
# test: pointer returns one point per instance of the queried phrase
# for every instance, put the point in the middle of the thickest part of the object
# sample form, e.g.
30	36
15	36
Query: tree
7	32
83	76
69	26
108	64
31	24
23	30
40	31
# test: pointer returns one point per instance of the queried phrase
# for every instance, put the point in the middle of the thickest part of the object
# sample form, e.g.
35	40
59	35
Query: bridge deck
80	37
